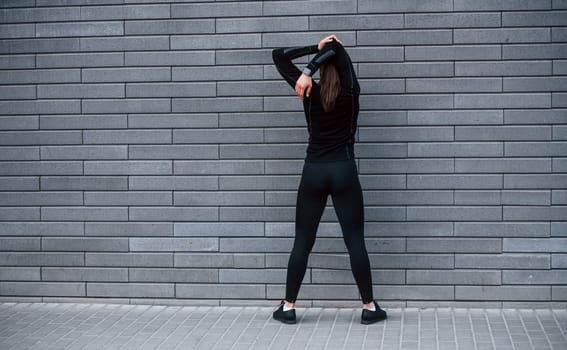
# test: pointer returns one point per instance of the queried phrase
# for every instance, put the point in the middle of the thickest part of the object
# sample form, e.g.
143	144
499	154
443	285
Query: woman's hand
327	40
303	86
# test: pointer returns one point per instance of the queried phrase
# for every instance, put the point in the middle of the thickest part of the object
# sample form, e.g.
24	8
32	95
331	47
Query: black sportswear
331	134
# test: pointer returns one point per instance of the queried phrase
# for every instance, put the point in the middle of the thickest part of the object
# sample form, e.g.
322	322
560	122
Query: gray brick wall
149	151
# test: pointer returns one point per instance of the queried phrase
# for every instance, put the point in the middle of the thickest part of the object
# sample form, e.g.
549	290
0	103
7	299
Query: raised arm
282	58
335	51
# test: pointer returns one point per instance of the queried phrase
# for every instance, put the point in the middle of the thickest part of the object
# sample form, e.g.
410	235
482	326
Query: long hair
330	85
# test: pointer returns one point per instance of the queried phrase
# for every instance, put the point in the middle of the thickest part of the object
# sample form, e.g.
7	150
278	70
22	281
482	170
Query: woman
331	110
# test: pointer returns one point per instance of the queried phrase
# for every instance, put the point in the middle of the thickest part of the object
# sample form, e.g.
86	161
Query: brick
406	69
173	244
542	245
220	229
523	293
559	197
558	293
174	213
558	261
254	276
454	181
454	245
407	101
19	123
501	35
483	5
17	92
456	213
125	43
377	86
170	26
41	228
225	291
130	167
503	261
505	100
220	136
37	137
173	275
533	18
40	76
222	104
80	90
261	182
548	149
9	31
130	136
454	85
84	274
405	6
502	165
84	213
535	84
452	52
502	229
95	121
131	290
452	20
15	46
308	7
216	73
84	244
19	243
20	153
559	99
219	198
174	152
220	167
228	9
256	214
477	197
128	259
505	68
261	24
17	61
40	168
559	132
538	277
173	183
397	134
267	88
227	41
405	37
42	288
526	197
460	277
128	198
79	60
41	259
52	14
78	29
559	67
20	273
155	105
172	120
129	229
544	181
455	117
170	89
125	74
534	51
39	107
219	260
43	198
125	12
83	152
169	58
505	133
359	21
93	183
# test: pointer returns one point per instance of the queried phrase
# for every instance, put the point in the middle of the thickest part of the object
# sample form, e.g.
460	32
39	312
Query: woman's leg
349	206
311	199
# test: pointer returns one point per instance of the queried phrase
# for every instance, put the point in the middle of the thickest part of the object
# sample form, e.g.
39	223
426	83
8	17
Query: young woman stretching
331	110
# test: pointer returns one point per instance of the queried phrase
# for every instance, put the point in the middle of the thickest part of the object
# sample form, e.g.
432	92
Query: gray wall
151	153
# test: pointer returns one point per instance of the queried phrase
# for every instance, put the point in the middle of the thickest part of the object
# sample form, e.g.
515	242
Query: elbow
276	54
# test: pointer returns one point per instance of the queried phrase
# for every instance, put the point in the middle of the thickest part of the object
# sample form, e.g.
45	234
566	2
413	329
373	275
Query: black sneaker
284	316
369	316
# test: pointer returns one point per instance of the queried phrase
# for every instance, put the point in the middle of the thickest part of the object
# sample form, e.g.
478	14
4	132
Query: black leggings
318	180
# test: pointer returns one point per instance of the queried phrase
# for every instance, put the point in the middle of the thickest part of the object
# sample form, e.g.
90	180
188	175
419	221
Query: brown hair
330	85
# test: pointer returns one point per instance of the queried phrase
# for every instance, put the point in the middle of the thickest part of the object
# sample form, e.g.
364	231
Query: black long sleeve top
331	134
